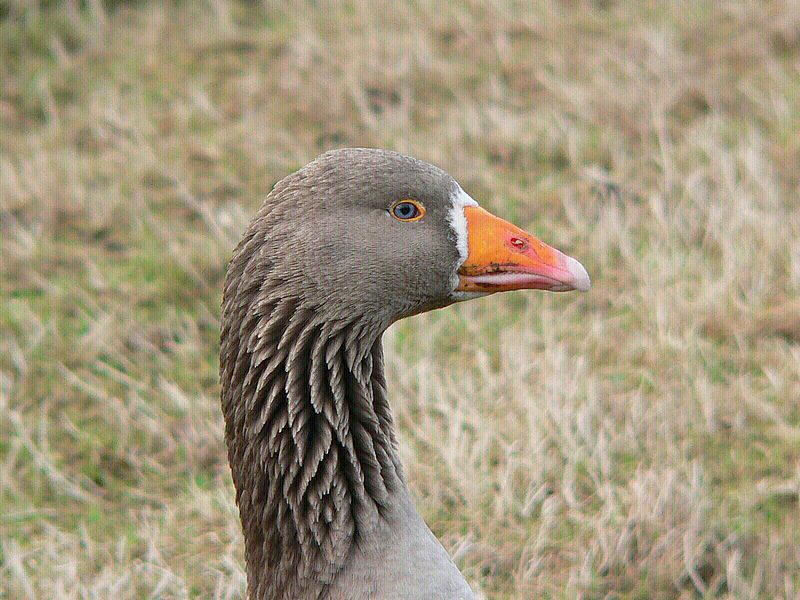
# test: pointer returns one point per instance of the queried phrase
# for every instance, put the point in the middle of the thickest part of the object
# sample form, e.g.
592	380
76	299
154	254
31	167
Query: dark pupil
405	210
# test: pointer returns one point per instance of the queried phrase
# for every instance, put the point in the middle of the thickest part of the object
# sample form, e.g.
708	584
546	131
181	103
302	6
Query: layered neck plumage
309	434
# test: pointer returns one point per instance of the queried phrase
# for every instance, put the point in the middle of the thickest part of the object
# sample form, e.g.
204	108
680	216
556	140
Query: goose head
386	236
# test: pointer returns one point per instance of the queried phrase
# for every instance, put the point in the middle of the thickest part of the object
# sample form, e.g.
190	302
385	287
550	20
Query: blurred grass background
639	441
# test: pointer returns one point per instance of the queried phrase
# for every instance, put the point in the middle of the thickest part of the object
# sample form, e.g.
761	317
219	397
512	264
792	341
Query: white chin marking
458	221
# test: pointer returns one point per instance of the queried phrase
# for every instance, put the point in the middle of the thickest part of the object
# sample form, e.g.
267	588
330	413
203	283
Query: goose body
338	251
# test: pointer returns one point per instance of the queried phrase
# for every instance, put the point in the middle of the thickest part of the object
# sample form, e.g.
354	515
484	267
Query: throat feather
310	440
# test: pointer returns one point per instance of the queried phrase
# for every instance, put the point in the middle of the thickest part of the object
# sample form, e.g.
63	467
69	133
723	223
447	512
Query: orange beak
503	257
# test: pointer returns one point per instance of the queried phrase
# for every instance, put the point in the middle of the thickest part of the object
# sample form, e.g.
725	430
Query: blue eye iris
405	210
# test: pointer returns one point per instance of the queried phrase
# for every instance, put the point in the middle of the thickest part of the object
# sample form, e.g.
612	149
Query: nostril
518	243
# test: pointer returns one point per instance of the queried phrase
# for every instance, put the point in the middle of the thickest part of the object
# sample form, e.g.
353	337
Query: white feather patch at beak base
458	221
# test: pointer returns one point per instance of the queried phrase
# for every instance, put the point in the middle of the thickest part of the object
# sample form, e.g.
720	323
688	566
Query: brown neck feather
309	434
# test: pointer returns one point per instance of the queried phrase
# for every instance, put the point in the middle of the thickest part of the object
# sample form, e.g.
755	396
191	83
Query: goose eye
408	210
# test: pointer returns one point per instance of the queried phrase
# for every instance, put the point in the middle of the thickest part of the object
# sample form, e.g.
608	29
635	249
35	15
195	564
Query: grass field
641	441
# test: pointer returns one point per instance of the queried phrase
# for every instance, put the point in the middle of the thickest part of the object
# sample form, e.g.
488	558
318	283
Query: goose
338	251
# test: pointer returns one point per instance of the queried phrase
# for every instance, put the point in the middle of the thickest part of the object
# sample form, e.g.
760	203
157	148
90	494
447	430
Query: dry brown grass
638	441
